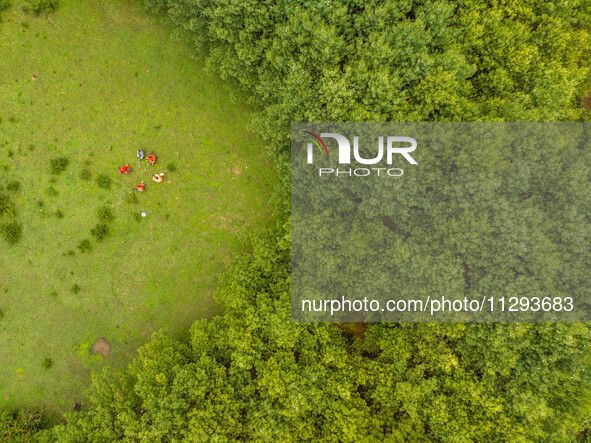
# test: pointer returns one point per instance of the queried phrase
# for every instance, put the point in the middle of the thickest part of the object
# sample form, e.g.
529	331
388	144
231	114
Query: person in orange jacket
151	159
140	186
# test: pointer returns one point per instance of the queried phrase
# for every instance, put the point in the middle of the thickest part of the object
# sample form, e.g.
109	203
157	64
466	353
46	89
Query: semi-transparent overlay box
436	222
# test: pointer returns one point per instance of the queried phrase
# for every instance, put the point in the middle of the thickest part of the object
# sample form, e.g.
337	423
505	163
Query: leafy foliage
59	165
4	5
47	363
13	186
85	174
105	214
84	245
7	206
41	6
100	231
104	181
19	426
12	231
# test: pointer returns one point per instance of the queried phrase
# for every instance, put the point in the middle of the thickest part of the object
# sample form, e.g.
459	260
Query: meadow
80	91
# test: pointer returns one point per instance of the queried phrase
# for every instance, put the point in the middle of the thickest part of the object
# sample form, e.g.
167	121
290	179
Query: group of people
151	159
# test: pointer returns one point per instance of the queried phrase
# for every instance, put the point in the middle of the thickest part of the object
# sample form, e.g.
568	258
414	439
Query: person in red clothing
124	169
140	187
151	159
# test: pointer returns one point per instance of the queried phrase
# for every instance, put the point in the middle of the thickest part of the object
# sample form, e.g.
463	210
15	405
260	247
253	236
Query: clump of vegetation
4	5
100	231
132	198
171	167
13	186
59	213
53	294
47	363
70	252
41	6
105	215
1	313
85	174
75	288
84	245
12	231
104	181
59	165
137	217
7	207
52	192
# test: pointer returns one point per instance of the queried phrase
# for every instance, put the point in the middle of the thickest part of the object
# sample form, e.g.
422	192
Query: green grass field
93	83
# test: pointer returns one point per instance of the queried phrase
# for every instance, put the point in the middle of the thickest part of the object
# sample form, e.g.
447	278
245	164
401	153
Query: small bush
41	6
59	213
59	165
52	192
75	288
12	232
4	5
84	245
47	363
171	167
104	181
132	198
13	186
105	215
85	174
100	231
7	207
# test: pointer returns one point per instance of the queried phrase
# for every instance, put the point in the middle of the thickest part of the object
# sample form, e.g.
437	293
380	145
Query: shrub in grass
104	181
132	198
105	215
41	6
53	294
171	167
47	363
85	174
13	186
59	213
84	245
12	231
52	192
75	288
1	313
7	207
59	165
70	252
4	5
100	231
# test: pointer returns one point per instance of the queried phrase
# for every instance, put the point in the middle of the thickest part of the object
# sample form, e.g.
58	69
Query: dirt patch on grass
101	346
587	101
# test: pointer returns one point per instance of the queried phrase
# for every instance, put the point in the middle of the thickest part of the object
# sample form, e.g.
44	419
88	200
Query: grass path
111	79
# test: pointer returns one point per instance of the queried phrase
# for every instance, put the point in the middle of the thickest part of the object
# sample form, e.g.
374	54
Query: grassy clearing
80	91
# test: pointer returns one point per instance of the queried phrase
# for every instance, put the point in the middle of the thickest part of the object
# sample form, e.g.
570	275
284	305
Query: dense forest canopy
251	373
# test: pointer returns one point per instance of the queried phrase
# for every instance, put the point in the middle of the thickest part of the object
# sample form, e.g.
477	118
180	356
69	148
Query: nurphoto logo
344	151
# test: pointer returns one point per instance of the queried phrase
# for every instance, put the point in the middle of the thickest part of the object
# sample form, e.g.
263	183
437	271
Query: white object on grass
143	214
